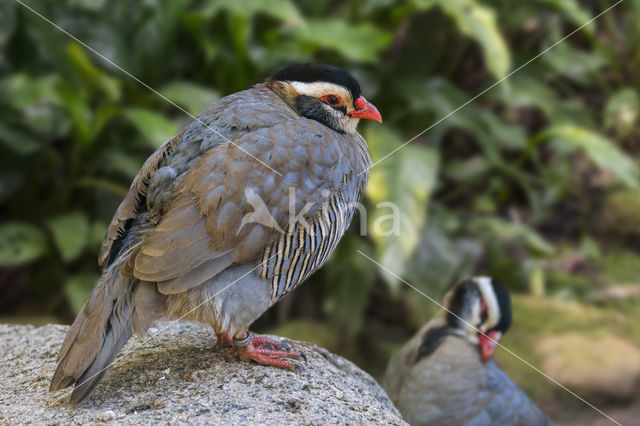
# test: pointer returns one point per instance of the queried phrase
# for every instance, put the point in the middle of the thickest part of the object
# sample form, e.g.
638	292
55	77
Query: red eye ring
331	100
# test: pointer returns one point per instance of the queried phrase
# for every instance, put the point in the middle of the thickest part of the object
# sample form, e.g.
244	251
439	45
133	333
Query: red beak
365	109
488	343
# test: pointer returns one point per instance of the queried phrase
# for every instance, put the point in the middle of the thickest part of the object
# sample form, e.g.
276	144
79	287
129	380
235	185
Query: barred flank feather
301	250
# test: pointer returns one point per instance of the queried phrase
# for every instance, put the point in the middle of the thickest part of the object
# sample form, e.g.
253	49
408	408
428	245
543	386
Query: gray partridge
445	376
226	218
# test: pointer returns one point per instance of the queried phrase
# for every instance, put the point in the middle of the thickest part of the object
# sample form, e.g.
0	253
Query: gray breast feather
508	404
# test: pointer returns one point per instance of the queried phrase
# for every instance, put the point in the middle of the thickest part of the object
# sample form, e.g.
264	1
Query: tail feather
97	334
113	342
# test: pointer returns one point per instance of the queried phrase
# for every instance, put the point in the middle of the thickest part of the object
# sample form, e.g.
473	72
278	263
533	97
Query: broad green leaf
509	136
469	170
154	127
478	22
621	111
239	31
572	10
70	234
601	150
20	243
101	117
82	63
118	161
97	233
524	91
358	42
79	111
498	228
441	98
18	141
398	191
39	101
191	96
284	10
576	64
22	91
529	91
77	289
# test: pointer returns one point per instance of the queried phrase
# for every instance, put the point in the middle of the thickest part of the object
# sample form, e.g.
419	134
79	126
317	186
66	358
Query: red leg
223	341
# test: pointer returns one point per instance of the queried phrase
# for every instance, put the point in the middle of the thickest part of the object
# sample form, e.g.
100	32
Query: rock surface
175	376
606	367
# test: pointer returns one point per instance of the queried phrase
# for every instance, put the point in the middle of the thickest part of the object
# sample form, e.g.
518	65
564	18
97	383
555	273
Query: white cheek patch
349	124
318	89
489	296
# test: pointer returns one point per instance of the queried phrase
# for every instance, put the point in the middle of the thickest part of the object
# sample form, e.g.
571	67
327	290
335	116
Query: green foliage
154	127
193	97
70	234
78	288
399	189
348	283
493	184
621	111
478	22
20	243
355	42
602	151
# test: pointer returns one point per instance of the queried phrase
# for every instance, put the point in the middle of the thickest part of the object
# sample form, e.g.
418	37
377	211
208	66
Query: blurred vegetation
535	182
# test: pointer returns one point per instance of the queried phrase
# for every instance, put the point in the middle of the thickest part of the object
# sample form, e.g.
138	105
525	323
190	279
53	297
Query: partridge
226	218
445	375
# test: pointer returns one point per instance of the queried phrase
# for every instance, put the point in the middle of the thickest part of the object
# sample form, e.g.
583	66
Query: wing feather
134	200
202	232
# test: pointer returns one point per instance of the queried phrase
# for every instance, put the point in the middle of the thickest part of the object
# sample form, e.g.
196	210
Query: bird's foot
261	342
253	348
224	341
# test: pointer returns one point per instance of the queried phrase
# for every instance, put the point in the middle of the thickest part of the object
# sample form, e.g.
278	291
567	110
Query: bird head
325	93
480	307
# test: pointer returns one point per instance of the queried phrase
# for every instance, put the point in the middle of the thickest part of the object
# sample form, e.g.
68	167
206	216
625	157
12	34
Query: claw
265	357
265	351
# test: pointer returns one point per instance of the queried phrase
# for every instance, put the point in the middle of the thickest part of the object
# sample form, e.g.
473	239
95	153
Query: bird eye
332	100
483	311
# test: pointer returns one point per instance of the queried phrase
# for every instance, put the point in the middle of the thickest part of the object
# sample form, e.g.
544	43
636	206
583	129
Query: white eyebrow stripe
489	296
321	88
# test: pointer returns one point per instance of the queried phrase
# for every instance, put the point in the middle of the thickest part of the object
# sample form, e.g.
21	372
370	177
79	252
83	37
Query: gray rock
175	376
